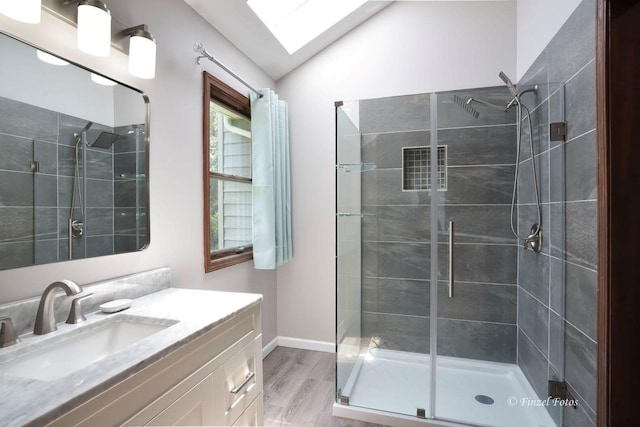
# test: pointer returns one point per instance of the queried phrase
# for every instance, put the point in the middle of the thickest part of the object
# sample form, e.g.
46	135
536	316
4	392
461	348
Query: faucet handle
7	335
75	314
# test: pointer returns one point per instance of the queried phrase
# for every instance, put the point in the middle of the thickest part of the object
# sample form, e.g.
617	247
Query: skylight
296	22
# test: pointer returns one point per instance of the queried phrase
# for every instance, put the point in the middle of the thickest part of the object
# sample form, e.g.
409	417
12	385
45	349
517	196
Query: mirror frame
147	133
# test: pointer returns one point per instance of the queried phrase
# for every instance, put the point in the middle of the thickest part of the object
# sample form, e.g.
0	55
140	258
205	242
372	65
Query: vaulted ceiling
242	27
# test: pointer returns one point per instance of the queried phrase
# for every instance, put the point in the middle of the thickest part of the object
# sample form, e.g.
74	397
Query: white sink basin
75	349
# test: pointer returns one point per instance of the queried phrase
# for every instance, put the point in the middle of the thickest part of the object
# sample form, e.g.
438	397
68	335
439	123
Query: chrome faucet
45	319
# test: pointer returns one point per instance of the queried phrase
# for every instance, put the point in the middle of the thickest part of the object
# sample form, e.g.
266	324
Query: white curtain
271	181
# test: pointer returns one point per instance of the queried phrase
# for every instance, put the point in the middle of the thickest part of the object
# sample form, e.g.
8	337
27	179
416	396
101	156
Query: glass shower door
485	304
477	256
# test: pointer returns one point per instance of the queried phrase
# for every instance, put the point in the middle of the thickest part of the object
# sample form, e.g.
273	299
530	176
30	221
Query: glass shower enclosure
433	286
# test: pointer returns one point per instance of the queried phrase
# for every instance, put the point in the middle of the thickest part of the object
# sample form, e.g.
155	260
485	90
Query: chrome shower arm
488	104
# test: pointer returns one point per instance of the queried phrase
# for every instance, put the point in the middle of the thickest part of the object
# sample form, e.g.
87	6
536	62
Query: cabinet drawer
252	416
240	380
194	408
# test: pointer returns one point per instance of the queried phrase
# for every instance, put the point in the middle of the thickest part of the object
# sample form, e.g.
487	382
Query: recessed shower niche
416	168
73	161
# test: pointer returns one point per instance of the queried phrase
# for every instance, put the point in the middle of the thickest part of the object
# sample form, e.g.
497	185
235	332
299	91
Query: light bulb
94	29
142	56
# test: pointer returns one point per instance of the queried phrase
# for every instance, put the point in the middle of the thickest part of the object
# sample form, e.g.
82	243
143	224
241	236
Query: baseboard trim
324	346
271	345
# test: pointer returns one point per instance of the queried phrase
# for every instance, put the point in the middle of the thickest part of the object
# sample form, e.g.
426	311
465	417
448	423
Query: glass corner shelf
359	215
123	176
356	167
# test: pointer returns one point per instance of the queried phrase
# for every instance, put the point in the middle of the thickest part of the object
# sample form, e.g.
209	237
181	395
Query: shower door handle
451	252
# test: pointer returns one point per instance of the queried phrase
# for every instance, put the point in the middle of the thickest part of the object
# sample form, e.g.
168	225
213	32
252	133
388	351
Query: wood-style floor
299	389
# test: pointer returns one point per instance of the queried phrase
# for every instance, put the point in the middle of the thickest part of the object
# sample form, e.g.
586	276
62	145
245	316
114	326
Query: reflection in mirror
73	161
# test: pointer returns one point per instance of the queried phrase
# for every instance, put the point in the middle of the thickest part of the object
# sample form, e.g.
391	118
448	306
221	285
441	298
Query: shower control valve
77	228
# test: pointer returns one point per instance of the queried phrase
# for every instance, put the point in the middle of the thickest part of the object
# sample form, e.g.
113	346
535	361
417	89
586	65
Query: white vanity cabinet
214	379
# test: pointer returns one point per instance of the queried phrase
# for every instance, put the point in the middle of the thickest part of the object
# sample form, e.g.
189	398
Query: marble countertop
25	400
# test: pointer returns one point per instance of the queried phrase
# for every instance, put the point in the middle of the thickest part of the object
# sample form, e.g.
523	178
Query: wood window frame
218	91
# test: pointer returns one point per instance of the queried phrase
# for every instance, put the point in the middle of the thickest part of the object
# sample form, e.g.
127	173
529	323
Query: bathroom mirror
73	161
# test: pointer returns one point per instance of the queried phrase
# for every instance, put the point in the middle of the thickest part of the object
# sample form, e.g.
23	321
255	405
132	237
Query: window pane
230	214
229	142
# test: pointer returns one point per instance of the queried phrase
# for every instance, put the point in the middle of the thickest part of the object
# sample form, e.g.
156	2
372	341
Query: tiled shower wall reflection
129	164
549	309
480	321
17	143
35	206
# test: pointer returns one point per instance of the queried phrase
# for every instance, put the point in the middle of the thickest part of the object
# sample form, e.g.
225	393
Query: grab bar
451	252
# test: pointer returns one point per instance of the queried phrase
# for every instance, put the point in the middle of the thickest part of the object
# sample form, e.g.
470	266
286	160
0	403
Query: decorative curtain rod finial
199	48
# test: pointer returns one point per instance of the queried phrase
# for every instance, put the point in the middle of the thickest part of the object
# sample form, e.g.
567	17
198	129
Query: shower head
104	140
509	83
466	106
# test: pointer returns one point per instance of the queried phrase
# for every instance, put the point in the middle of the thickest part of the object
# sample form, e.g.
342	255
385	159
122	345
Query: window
296	22
227	176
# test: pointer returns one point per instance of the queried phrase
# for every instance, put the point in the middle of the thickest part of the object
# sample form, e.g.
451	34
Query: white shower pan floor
398	382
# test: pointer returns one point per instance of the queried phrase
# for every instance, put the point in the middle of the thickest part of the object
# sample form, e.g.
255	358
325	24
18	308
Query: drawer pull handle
247	380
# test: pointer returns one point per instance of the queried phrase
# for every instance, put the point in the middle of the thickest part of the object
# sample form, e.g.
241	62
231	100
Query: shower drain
485	400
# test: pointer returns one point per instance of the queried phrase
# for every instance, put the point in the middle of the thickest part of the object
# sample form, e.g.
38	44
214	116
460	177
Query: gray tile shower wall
480	321
47	137
395	231
557	287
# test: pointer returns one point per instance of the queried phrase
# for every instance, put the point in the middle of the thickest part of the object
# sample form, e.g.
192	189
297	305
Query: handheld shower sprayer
86	127
532	240
509	83
78	135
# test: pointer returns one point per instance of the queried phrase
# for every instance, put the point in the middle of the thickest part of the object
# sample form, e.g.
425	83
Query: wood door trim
618	112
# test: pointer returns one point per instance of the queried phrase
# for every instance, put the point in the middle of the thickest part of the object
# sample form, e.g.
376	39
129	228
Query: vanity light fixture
142	52
27	11
94	27
50	59
96	78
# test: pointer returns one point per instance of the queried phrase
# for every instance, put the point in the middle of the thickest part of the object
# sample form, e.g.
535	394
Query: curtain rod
199	47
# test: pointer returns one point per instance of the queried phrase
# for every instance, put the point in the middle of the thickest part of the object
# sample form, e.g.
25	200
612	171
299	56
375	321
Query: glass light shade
27	11
102	80
94	30
50	59
142	57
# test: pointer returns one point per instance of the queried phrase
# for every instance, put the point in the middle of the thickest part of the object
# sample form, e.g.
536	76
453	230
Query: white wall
176	153
409	47
538	22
